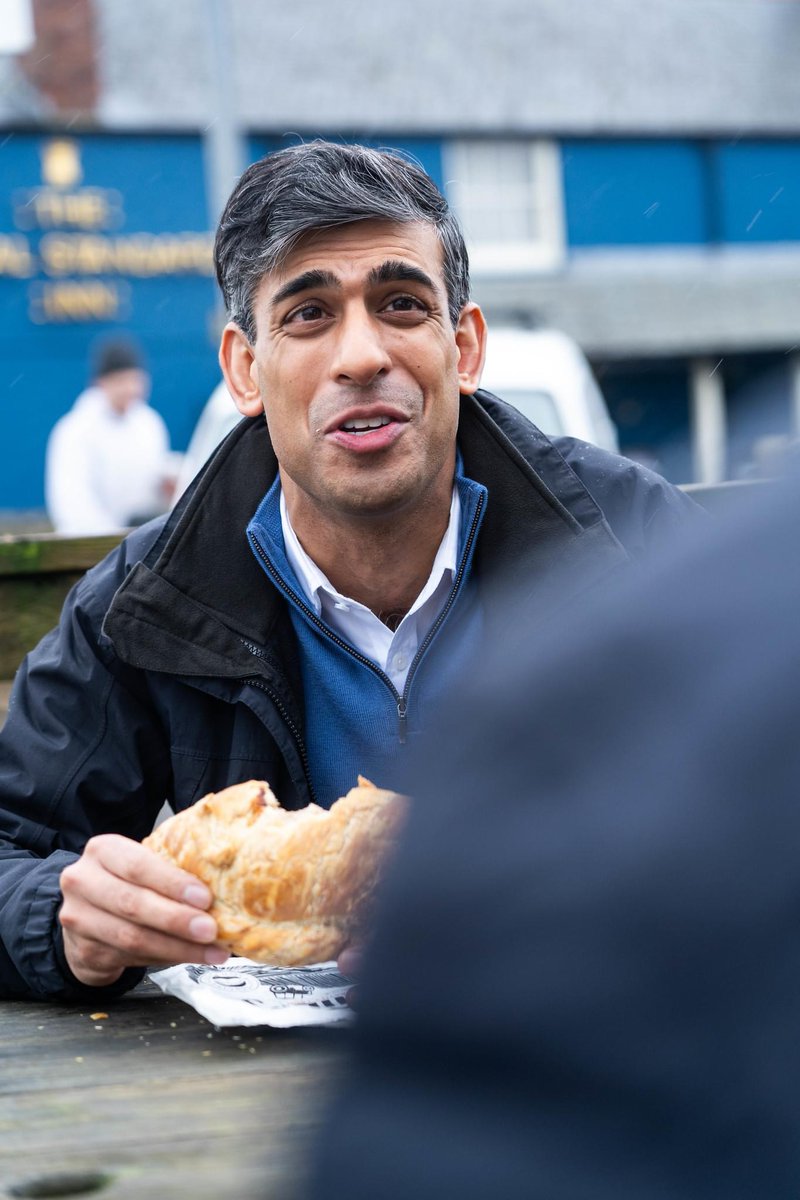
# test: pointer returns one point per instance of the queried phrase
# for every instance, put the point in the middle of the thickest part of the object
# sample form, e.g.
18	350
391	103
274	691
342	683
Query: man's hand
349	965
124	906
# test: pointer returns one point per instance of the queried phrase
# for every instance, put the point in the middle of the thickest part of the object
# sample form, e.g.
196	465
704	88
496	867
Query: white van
545	374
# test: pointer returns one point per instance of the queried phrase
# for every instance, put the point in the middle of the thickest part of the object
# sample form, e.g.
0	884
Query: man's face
124	388
357	366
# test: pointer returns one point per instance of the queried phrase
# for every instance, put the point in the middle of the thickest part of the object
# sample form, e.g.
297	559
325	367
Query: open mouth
365	424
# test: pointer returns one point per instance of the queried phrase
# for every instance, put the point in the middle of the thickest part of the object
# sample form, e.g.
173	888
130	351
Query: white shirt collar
391	650
315	582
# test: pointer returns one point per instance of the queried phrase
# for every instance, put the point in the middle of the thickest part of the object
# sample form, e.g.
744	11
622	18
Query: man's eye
304	314
403	304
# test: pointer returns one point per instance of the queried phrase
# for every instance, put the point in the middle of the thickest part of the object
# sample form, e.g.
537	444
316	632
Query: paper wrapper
242	992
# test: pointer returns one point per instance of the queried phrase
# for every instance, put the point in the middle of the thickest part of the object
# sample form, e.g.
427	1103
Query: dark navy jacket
174	671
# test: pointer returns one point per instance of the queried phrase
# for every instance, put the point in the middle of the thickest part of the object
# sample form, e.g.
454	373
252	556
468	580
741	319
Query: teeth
362	424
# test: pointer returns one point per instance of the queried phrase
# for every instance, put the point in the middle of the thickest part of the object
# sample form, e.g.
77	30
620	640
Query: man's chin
393	498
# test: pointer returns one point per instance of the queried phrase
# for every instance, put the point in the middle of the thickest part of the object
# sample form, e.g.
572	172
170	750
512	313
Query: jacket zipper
400	701
429	636
295	732
323	628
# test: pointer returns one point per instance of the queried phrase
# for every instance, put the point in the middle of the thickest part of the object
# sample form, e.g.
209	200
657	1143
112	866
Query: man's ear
237	360
471	342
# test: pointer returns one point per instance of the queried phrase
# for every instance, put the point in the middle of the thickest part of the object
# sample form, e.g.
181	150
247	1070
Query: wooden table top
153	1101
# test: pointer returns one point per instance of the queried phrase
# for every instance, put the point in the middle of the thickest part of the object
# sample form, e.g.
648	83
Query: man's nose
360	353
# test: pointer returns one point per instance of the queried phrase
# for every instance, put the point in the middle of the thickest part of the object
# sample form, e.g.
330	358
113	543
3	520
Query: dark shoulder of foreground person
643	509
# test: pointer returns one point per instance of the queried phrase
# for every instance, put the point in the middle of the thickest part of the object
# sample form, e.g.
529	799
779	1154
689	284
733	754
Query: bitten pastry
289	887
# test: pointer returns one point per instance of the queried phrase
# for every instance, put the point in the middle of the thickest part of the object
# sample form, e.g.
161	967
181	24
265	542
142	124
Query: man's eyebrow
315	278
397	271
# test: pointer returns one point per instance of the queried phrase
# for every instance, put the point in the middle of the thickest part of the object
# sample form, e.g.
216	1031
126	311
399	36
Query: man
584	980
318	590
107	465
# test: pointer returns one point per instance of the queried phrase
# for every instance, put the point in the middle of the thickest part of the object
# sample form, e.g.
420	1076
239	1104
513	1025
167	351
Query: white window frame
547	251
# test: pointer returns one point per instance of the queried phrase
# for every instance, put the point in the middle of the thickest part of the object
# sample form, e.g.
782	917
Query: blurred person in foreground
107	462
320	587
585	977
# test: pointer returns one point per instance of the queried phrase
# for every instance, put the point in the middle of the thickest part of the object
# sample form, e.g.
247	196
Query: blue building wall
635	192
667	192
758	189
131	213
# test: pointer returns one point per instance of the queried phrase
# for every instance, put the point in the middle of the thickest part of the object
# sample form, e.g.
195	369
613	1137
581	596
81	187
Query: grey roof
559	66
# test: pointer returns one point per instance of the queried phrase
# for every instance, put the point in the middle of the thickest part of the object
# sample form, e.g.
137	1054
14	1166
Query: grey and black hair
321	185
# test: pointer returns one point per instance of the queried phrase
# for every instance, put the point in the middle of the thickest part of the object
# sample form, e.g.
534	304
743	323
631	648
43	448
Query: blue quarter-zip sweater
356	723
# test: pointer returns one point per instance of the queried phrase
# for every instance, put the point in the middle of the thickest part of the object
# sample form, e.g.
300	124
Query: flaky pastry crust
289	888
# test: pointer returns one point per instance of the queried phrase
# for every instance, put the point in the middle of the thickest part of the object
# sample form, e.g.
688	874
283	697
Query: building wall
99	233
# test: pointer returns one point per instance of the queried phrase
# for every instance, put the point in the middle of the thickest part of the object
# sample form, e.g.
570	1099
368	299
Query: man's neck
383	563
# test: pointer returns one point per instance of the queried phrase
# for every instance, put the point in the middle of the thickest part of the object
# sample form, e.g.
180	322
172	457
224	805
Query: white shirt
104	469
393	652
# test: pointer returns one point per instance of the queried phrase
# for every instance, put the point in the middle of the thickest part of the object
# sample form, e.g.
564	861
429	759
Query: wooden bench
36	572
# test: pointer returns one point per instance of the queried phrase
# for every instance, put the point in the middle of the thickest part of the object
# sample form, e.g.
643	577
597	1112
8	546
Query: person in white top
107	461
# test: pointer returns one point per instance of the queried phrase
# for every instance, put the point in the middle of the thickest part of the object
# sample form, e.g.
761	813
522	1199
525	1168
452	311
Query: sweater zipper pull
401	715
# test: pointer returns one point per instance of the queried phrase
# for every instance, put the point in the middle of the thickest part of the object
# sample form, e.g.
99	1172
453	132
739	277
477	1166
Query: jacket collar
544	537
199	604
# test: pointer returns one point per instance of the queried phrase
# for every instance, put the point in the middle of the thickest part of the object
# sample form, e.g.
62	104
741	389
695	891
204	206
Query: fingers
130	861
119	880
100	960
350	960
125	906
349	964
